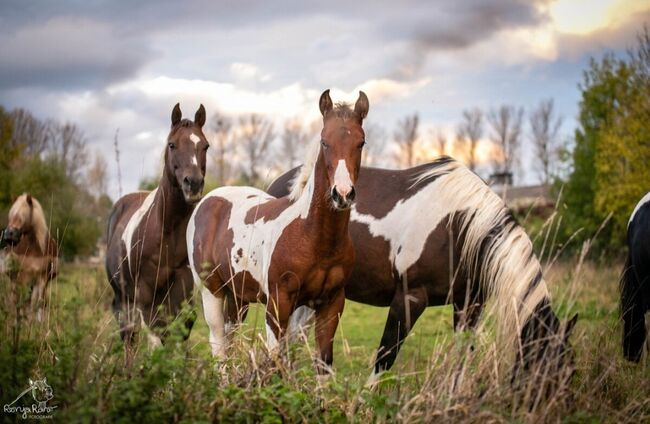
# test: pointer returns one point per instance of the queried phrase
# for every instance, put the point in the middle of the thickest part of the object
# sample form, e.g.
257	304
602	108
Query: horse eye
172	146
322	143
205	149
363	143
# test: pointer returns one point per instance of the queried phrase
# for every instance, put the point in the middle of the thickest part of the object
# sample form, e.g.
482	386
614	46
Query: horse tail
632	312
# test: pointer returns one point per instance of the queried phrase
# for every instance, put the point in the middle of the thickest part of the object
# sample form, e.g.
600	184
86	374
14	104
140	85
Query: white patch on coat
456	189
342	180
195	138
642	202
134	221
213	312
256	240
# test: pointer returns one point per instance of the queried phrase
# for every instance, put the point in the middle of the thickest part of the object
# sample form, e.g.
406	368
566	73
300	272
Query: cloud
69	53
454	26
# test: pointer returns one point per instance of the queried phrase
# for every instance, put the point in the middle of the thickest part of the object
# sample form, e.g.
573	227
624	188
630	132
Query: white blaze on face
342	180
195	139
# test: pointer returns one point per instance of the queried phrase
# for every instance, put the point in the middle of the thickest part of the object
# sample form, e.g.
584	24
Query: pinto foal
146	256
289	251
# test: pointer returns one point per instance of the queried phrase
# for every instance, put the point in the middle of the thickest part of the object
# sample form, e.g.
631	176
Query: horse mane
341	110
184	123
39	223
496	253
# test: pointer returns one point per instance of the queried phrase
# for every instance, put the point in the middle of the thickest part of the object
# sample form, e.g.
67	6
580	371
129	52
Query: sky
106	65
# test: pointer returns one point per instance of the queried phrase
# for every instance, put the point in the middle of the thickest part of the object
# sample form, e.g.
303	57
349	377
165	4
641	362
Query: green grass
436	376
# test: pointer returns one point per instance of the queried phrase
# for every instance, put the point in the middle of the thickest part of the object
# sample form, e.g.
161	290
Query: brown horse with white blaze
289	251
30	255
146	256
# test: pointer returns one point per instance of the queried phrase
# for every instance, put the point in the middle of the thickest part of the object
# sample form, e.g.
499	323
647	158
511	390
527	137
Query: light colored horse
30	255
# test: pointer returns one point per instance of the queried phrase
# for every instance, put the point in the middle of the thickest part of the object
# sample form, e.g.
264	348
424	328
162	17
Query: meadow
439	375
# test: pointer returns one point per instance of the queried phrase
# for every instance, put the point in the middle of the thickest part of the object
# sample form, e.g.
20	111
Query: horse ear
199	117
28	198
325	103
177	115
361	106
569	326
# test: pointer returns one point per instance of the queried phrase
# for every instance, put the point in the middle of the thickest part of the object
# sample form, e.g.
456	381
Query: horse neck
328	226
170	205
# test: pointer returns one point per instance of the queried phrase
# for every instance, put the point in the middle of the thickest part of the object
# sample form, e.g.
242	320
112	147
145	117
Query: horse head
20	219
186	153
342	140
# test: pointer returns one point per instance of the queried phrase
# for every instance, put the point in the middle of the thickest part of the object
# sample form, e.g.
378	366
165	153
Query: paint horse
436	234
289	251
635	281
30	254
146	255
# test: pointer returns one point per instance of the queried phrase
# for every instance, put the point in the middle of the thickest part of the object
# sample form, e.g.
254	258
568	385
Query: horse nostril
335	195
352	194
186	181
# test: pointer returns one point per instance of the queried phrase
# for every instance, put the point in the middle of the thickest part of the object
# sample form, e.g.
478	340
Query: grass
437	377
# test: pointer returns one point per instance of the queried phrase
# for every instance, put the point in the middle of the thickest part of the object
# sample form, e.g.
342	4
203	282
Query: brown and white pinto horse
289	251
30	255
437	234
146	256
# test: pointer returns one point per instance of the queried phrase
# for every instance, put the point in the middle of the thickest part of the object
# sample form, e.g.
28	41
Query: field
439	375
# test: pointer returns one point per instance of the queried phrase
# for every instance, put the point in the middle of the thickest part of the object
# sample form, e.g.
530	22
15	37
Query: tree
610	171
468	135
222	126
68	145
406	136
544	127
97	176
255	136
376	139
506	135
294	139
32	133
441	143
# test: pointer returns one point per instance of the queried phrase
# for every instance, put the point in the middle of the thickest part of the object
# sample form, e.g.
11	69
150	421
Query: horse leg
38	297
327	320
181	290
213	310
279	307
236	311
404	311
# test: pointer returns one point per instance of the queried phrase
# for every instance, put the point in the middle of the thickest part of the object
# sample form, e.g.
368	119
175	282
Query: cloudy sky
106	65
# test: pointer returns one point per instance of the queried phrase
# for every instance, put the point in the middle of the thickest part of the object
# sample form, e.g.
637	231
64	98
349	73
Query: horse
635	281
436	234
31	255
289	251
146	256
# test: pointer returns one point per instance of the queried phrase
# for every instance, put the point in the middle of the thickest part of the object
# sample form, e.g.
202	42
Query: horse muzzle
342	199
193	189
11	236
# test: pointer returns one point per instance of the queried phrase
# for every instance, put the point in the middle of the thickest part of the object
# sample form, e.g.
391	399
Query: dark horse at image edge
635	281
